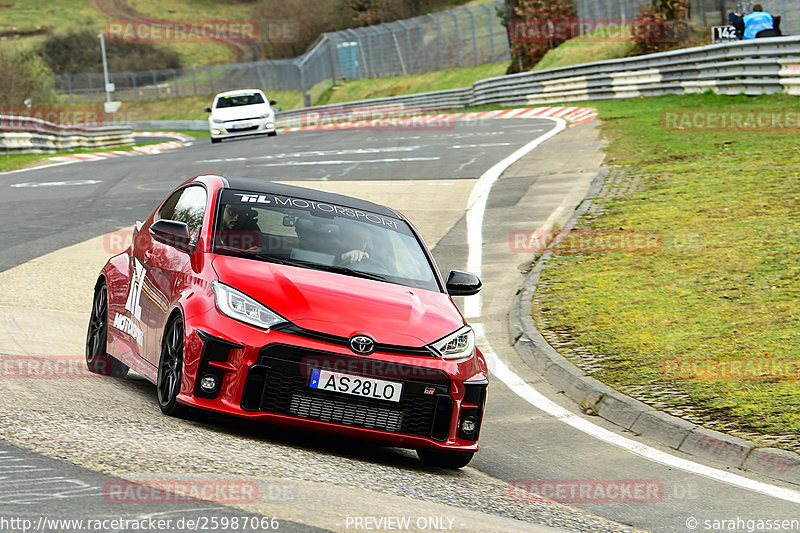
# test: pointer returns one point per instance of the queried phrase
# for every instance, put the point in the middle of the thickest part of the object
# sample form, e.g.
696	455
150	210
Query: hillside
27	23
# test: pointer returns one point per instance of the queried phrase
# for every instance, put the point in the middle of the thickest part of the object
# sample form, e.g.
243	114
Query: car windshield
239	100
323	236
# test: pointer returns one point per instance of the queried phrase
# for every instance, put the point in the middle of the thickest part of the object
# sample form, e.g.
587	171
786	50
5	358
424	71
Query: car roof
240	91
269	187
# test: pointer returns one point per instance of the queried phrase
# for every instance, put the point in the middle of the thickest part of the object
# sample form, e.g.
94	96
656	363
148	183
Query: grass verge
587	48
453	78
705	324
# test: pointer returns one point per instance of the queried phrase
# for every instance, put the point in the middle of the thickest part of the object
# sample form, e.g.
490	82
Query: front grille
236	130
234	120
279	383
345	412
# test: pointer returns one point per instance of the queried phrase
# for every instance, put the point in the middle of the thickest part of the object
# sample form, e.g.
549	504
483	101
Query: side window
186	205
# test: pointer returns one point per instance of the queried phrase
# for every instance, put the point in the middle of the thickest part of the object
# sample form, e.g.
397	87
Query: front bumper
230	129
265	376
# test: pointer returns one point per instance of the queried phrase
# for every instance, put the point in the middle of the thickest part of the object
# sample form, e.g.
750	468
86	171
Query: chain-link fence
463	37
273	75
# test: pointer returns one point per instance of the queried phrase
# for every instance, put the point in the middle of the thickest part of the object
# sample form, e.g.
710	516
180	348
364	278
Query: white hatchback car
241	112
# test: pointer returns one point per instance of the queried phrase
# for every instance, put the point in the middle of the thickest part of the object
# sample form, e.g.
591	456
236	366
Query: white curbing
136	150
574	115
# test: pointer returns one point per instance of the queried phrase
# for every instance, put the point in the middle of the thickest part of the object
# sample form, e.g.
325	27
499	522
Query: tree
669	18
289	27
25	76
369	12
306	21
79	51
534	27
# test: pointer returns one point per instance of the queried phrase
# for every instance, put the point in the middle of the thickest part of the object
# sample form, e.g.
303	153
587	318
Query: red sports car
297	307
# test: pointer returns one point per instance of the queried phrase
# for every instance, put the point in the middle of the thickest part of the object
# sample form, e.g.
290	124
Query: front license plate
240	125
356	385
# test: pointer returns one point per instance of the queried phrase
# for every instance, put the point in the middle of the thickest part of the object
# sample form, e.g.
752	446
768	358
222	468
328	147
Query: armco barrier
162	125
32	135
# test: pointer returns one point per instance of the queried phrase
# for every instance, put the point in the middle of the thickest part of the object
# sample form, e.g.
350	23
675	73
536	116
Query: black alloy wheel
97	360
170	370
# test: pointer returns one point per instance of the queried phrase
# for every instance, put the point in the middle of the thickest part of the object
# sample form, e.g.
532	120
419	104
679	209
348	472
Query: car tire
215	141
97	359
272	133
170	370
453	460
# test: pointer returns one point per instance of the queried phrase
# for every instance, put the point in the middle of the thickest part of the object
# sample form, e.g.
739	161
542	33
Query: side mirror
172	233
273	102
462	283
207	110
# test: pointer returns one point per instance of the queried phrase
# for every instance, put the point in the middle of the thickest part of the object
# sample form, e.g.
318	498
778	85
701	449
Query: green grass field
26	16
710	318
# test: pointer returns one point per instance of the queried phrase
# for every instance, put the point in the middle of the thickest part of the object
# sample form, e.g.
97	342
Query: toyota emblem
361	344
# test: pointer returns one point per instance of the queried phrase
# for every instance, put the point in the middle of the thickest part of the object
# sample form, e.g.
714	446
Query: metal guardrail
763	66
30	135
375	108
164	125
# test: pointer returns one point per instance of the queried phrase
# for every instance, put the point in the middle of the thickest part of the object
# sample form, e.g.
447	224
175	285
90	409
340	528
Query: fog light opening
468	425
208	383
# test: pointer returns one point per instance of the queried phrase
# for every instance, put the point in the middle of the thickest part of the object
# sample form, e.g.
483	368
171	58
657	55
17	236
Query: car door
165	267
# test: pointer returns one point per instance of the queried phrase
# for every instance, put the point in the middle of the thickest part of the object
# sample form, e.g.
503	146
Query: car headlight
266	116
457	345
217	120
239	306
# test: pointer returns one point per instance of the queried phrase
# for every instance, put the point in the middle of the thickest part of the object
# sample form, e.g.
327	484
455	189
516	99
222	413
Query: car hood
343	305
240	112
